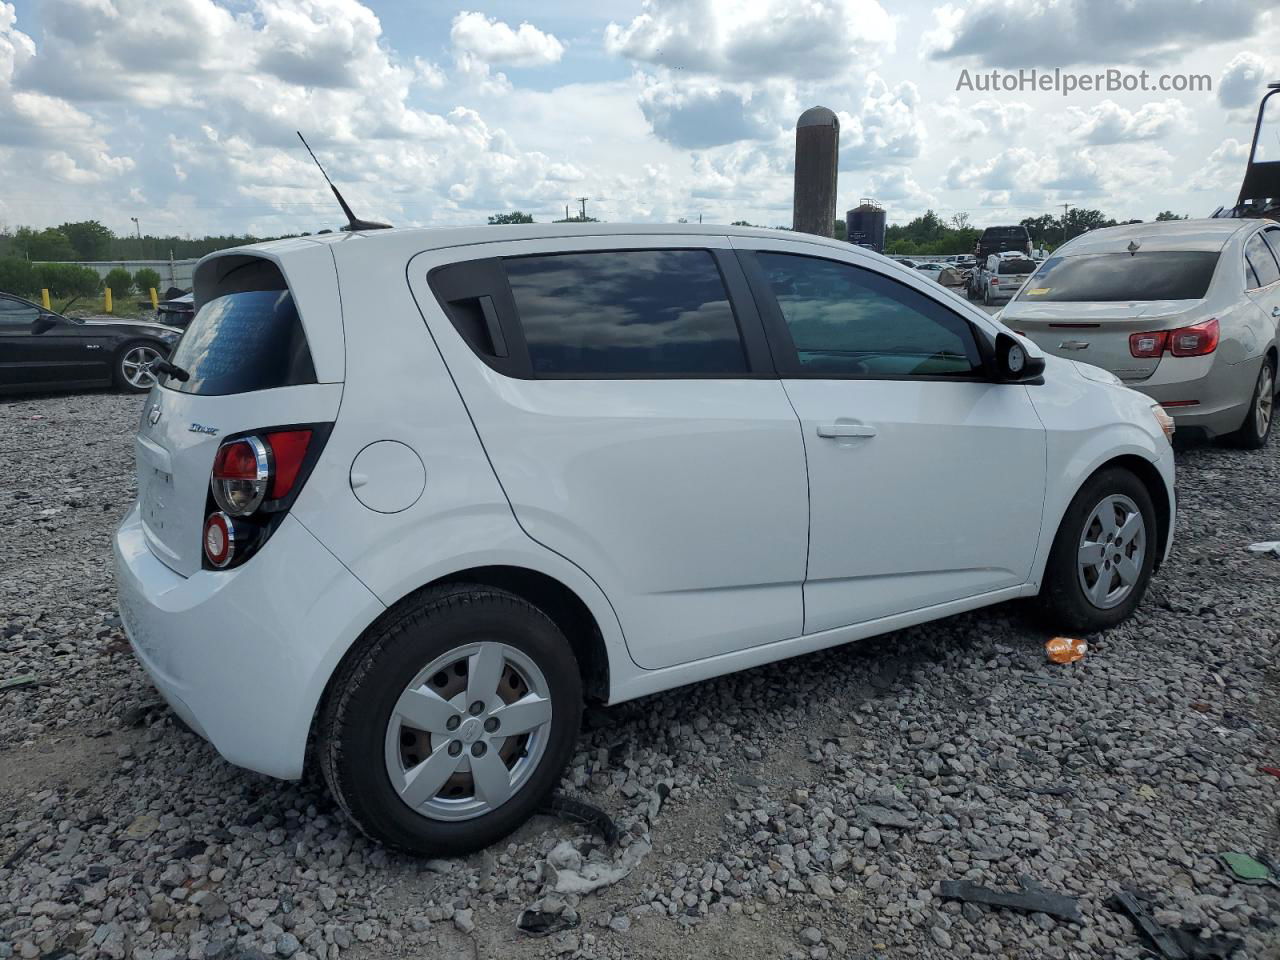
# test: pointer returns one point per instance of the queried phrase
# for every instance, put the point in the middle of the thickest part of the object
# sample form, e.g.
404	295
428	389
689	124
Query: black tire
1249	437
354	719
120	376
1066	605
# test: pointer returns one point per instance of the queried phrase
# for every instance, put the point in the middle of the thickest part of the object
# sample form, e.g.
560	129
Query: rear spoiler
1260	189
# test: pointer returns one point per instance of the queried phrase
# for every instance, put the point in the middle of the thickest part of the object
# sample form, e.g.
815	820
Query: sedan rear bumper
1203	393
243	655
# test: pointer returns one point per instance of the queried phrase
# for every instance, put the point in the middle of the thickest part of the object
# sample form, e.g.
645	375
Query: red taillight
254	481
288	448
1148	344
219	540
1195	341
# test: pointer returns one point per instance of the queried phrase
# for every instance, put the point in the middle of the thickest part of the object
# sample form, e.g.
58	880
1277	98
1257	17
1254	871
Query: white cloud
1243	81
699	112
1059	33
1108	122
886	129
817	40
495	42
985	118
1223	171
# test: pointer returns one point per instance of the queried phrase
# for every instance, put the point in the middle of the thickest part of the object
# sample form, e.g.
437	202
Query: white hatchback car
421	492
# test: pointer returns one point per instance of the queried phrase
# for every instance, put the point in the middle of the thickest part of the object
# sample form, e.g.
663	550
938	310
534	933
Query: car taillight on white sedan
1193	341
255	479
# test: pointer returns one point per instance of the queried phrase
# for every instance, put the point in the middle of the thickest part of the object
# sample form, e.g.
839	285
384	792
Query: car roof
436	238
1207	234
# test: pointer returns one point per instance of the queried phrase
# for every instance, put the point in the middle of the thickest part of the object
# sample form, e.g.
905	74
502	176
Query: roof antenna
353	222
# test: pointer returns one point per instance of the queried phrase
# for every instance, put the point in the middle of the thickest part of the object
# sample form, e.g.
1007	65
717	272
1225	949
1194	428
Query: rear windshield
995	233
1103	277
243	342
1017	266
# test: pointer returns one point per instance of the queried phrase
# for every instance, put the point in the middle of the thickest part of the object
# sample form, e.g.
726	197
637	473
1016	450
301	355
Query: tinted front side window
243	342
633	312
15	313
847	321
1261	259
1102	277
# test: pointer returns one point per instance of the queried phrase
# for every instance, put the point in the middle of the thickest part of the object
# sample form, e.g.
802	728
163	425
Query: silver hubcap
1266	400
1113	546
468	732
136	366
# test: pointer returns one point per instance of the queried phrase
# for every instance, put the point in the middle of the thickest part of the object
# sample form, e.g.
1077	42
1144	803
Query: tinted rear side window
626	313
1103	277
1260	258
243	342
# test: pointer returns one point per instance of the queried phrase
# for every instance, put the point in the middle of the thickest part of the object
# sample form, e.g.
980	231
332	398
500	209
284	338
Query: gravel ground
805	809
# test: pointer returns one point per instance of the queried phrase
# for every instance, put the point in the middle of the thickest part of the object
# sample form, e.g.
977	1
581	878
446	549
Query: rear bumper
243	655
1221	391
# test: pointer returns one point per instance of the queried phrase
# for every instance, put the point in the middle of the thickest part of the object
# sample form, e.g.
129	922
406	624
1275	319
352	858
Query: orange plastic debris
1066	649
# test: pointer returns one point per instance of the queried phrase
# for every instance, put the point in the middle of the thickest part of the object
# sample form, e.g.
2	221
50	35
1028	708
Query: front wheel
453	723
1256	429
133	367
1103	554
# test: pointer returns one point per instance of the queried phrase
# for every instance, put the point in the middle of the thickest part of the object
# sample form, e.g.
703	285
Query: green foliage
16	276
578	219
929	235
1170	215
90	239
68	279
841	230
120	281
146	279
49	244
515	216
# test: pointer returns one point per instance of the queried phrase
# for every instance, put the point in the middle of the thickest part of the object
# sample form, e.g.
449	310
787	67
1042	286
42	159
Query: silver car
1185	311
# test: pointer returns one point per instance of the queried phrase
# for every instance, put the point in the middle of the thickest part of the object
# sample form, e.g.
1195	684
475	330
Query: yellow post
155	299
108	300
44	298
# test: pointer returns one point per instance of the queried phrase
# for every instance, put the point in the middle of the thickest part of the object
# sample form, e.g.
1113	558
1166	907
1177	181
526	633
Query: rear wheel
454	722
133	366
1256	429
1103	554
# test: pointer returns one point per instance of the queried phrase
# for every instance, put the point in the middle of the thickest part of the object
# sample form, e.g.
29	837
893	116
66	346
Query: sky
182	112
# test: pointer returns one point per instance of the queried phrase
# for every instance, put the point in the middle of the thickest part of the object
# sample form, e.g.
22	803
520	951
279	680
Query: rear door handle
839	430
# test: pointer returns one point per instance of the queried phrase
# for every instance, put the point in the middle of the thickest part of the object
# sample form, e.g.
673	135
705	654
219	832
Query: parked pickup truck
997	280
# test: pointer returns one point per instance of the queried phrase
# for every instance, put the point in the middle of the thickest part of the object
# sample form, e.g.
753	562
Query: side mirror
42	323
1014	363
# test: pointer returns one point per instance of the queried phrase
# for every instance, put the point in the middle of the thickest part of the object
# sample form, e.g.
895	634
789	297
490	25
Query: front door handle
1275	311
839	431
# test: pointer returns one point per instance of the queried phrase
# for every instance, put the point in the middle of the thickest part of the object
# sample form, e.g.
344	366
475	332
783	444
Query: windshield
243	342
1104	277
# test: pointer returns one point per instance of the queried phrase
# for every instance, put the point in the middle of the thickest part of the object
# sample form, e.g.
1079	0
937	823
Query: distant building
817	155
865	225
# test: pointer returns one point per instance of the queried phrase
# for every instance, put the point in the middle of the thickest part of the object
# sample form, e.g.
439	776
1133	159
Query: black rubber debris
1032	899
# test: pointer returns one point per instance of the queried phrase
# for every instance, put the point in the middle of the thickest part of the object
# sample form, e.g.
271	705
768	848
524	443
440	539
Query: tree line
90	240
930	235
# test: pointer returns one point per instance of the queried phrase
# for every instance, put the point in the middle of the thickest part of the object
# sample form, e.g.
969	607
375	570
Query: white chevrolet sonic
418	494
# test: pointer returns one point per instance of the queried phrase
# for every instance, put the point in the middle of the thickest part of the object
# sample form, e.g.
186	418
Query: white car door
926	479
630	410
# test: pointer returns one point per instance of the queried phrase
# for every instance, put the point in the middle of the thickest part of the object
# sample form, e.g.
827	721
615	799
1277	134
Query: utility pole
582	201
137	226
1065	208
